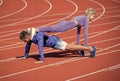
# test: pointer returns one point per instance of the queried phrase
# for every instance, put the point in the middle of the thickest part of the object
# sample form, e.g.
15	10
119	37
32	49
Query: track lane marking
50	7
96	72
25	6
57	63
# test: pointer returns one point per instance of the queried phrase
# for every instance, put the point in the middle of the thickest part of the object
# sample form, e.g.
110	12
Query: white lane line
1	2
16	11
95	72
102	8
60	14
76	8
50	7
110	16
57	63
115	11
7	39
14	19
116	38
106	23
3	47
10	31
112	7
10	34
12	47
118	1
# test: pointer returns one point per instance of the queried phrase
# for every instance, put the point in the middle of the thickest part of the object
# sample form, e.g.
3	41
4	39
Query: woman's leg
60	27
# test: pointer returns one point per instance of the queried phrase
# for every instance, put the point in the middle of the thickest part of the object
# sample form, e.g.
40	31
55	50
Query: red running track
59	66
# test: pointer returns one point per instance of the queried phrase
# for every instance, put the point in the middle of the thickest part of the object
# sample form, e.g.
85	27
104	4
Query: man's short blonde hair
90	11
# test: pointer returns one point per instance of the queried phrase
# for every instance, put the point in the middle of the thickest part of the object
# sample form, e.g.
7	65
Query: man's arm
27	49
40	46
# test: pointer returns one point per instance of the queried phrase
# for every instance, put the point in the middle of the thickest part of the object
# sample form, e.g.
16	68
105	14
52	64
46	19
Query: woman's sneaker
93	52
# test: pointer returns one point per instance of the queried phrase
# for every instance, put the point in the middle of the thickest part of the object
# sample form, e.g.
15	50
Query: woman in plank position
76	22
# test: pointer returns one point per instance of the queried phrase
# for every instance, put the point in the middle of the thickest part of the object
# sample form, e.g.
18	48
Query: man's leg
75	47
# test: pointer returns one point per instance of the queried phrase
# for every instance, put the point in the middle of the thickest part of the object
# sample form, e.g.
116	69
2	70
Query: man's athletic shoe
93	52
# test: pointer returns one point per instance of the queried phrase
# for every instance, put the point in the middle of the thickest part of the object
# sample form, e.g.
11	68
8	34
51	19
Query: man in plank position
43	40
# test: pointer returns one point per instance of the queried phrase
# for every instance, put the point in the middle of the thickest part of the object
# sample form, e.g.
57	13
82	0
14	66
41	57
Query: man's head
90	12
25	36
